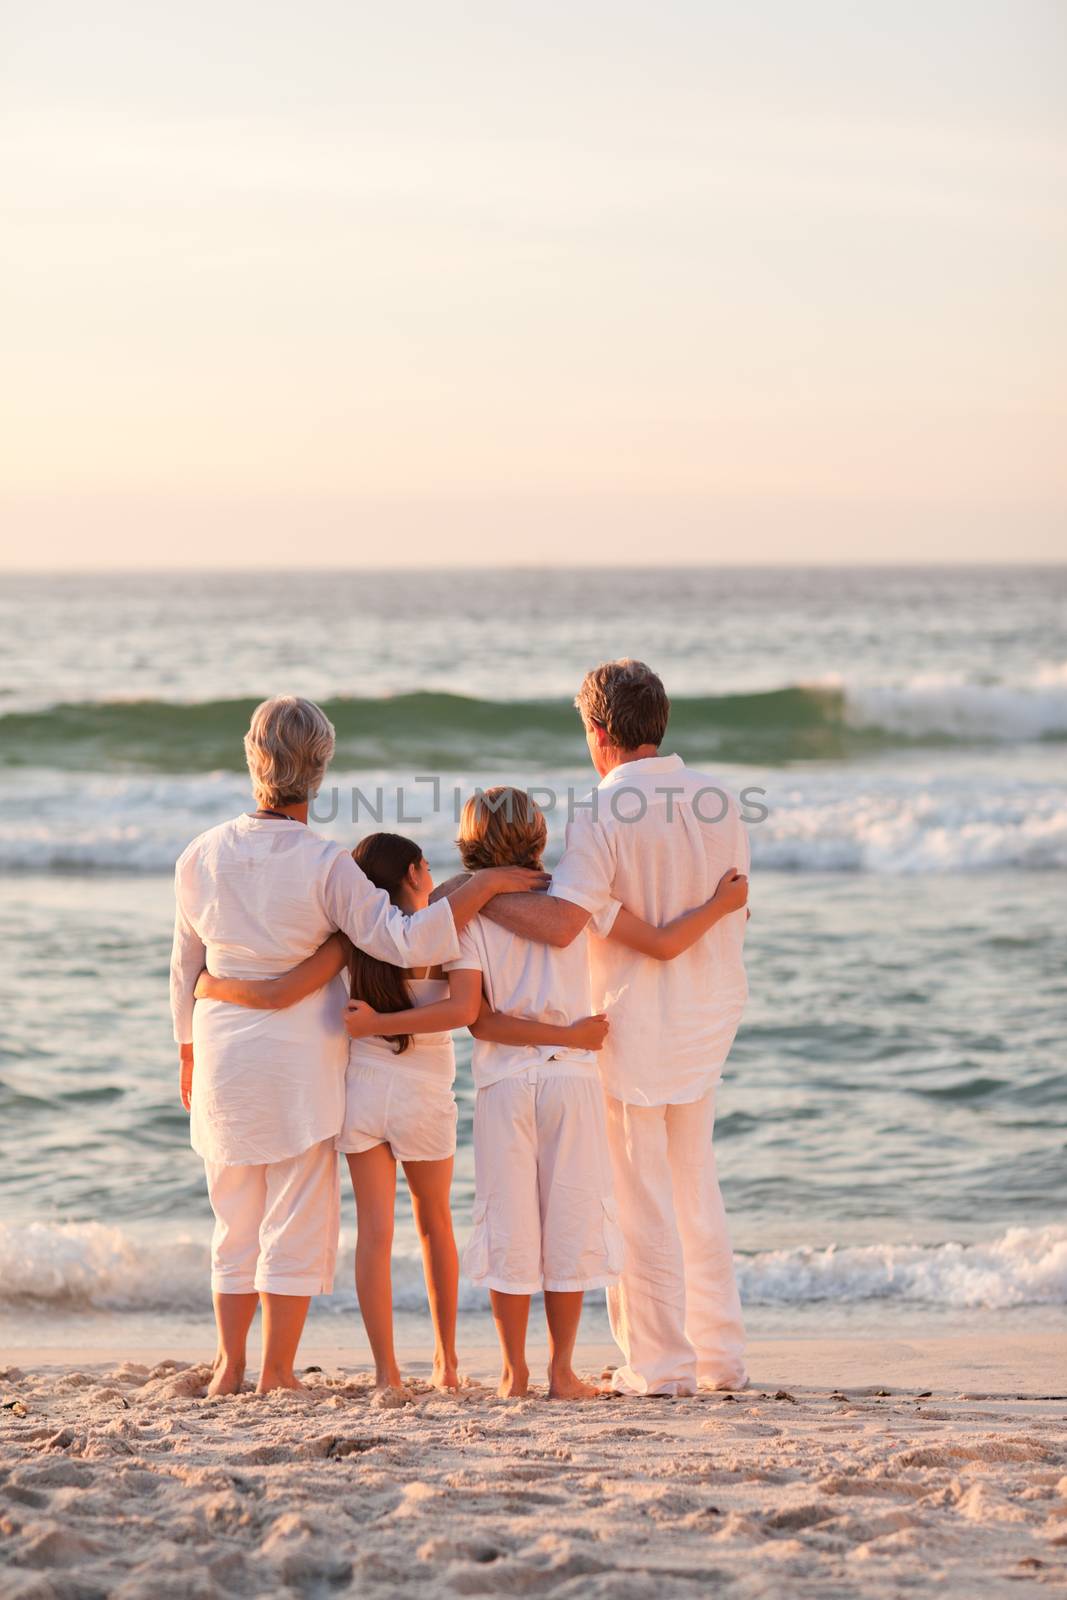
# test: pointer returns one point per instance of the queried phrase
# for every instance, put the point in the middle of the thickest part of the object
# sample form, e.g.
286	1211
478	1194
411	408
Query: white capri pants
544	1211
276	1224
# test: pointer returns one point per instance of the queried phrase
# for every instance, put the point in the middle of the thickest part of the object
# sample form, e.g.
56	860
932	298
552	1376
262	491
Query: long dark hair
385	858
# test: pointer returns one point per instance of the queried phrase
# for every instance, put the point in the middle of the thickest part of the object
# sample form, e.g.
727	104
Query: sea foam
78	1266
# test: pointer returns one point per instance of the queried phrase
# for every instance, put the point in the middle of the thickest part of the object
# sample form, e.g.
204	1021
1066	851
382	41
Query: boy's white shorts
276	1224
413	1113
544	1210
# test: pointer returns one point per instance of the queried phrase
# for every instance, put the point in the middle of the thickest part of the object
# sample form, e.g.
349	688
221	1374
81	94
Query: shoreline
1023	1365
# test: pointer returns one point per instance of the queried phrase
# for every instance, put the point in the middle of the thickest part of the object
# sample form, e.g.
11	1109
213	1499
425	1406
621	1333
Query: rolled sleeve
603	921
586	872
369	918
468	959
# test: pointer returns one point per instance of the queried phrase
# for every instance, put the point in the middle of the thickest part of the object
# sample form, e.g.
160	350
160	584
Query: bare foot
445	1375
514	1385
278	1380
567	1385
226	1379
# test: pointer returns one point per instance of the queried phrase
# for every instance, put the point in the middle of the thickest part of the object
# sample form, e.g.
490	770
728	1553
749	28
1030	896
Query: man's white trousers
675	1312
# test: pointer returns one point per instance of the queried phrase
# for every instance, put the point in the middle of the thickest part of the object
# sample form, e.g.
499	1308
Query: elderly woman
255	896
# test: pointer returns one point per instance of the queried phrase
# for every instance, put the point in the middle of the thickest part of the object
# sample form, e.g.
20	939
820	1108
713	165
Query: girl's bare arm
497	1027
275	994
440	1016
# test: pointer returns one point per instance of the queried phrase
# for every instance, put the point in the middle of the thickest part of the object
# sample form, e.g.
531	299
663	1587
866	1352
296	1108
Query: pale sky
603	281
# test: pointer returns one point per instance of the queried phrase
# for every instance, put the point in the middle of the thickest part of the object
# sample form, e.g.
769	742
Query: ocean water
892	1123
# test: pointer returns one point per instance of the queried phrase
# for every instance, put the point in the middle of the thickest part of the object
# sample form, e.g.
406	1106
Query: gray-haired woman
255	896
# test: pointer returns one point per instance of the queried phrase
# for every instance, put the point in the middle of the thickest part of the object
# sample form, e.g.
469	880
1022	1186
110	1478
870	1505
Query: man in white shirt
656	837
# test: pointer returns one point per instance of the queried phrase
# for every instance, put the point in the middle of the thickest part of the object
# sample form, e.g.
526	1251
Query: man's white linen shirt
661	838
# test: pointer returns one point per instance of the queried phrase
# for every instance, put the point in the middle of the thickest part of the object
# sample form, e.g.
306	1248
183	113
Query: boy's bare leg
430	1183
563	1312
233	1318
284	1316
374	1182
511	1313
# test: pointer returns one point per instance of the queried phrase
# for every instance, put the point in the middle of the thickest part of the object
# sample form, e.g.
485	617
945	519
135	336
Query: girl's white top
431	1055
255	896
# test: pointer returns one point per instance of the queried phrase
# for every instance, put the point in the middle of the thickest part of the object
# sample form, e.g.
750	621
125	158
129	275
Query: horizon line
268	568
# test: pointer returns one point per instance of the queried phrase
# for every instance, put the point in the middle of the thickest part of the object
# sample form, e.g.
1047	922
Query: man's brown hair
627	700
501	827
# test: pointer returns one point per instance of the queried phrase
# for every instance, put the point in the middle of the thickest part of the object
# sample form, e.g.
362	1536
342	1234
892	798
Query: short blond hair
501	827
288	748
628	701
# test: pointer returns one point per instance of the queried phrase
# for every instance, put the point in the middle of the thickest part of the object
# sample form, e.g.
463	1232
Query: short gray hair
288	748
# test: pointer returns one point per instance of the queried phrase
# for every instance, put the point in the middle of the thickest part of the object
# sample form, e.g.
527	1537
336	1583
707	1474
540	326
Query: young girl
544	1211
399	1102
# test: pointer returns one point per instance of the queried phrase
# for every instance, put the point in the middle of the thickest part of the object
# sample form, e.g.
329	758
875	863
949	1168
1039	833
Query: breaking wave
451	732
80	1266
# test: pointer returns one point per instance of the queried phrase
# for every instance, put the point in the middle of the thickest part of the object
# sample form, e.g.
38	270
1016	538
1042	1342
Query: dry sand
120	1479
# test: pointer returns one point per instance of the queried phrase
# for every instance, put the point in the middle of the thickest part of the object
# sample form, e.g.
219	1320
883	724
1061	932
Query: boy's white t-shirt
523	979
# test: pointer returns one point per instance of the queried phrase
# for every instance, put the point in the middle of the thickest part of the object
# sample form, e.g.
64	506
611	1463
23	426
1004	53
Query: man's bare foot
278	1380
567	1385
226	1379
514	1385
445	1374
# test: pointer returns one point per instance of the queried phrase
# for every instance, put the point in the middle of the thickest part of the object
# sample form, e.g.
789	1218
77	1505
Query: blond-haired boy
544	1210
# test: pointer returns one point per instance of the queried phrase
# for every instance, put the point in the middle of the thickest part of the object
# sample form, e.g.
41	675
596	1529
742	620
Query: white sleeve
187	960
468	959
376	926
603	921
586	873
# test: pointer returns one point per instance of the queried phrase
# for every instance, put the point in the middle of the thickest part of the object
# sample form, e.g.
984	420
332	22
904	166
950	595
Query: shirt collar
648	766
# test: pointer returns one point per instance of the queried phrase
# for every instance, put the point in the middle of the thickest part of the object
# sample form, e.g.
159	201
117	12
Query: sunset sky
501	282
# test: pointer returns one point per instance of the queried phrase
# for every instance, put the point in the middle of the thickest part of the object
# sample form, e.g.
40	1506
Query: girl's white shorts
413	1113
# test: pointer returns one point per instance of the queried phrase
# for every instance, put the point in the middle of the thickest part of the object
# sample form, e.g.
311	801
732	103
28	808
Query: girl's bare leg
374	1183
511	1313
284	1316
430	1183
563	1312
233	1318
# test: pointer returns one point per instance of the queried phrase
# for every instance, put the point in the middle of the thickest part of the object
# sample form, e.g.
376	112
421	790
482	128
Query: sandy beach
921	1465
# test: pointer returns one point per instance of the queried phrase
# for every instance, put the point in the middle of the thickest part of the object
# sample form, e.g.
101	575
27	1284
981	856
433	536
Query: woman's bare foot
226	1378
566	1385
277	1380
514	1384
